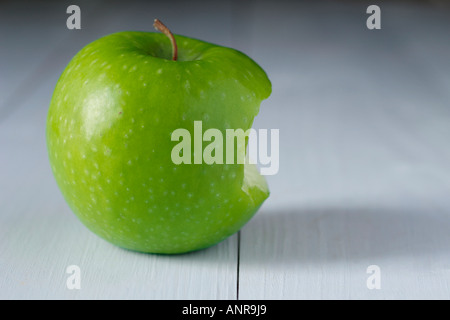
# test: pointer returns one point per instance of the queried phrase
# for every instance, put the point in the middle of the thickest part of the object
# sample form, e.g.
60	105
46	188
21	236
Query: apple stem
162	28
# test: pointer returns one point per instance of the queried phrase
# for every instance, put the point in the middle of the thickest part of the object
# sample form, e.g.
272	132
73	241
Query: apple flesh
109	142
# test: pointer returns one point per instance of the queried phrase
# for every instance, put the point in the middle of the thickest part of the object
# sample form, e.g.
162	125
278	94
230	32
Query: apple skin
109	142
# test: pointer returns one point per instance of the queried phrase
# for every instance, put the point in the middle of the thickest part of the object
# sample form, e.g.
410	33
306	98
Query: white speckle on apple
134	68
124	67
159	71
107	152
129	162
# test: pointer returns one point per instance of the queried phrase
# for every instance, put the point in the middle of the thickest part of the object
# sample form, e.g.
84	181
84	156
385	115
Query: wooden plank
32	36
40	237
364	155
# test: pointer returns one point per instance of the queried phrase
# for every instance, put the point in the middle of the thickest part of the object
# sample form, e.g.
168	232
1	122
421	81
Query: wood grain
364	166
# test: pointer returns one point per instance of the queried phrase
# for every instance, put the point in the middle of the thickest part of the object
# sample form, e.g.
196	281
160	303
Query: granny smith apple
109	141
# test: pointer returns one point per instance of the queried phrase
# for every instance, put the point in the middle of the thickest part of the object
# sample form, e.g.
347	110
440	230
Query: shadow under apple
300	236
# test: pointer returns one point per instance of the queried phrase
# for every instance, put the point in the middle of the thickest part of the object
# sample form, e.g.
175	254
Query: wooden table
364	119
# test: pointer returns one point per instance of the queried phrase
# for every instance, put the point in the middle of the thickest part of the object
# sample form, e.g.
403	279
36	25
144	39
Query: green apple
109	141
